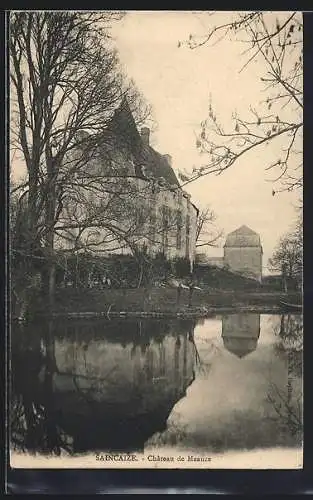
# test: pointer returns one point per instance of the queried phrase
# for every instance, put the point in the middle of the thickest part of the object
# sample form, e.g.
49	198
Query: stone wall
244	260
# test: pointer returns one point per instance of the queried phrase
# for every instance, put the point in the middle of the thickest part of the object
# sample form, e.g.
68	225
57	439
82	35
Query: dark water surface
226	383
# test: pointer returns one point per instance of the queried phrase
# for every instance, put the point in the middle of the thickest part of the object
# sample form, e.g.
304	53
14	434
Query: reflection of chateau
109	393
157	369
240	333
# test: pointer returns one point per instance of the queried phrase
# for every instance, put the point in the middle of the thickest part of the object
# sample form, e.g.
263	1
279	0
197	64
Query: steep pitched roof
148	161
243	237
157	166
124	133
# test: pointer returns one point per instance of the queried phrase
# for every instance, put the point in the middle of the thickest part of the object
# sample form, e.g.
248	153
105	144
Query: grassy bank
162	300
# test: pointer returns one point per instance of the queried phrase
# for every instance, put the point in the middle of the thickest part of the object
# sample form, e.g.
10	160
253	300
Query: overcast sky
178	83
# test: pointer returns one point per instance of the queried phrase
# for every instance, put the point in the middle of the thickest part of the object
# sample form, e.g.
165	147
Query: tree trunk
23	309
284	277
147	296
284	283
50	216
140	277
51	285
190	297
141	271
31	437
282	326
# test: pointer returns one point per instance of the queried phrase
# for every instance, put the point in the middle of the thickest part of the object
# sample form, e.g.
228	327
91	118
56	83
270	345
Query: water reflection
240	333
250	393
229	382
98	385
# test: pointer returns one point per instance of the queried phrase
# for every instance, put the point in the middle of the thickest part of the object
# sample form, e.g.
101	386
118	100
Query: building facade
152	212
243	252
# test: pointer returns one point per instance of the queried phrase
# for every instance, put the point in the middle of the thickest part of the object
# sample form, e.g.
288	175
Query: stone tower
243	252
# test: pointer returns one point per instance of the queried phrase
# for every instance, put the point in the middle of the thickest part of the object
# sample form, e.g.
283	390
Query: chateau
151	210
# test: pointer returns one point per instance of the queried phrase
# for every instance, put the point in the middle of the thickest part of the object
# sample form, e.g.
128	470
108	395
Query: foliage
124	271
66	82
181	267
288	255
223	279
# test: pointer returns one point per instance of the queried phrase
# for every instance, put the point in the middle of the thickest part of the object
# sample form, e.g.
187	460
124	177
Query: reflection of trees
287	402
32	425
287	409
290	331
121	330
174	434
289	334
17	422
202	363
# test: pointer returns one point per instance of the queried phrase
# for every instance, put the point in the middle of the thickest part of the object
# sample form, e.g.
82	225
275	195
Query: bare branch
278	44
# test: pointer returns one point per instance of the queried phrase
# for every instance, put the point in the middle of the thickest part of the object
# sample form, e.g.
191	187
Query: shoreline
209	311
192	314
133	303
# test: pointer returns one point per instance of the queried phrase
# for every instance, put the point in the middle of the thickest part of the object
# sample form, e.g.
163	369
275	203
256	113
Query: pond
229	382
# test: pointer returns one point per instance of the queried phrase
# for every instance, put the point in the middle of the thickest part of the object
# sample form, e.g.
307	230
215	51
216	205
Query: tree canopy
66	83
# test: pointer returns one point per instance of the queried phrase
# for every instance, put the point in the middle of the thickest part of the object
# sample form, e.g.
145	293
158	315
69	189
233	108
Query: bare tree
66	81
276	40
287	401
288	255
207	234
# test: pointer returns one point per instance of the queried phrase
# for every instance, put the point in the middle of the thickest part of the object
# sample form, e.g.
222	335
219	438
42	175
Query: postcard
155	200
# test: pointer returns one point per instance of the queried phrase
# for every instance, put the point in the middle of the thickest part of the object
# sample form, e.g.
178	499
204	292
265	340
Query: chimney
145	135
168	158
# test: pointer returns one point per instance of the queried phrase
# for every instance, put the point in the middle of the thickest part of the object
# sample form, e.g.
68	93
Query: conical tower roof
243	237
123	125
